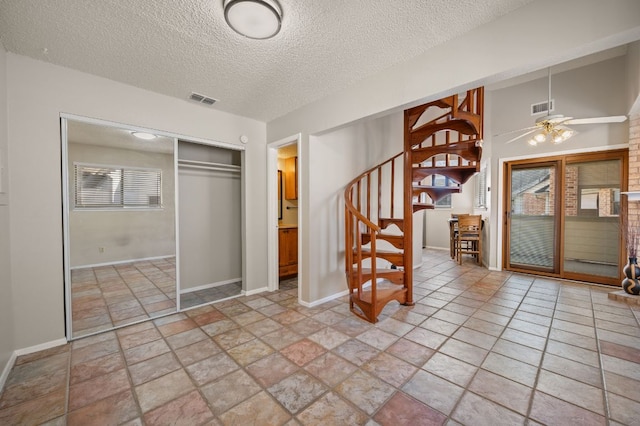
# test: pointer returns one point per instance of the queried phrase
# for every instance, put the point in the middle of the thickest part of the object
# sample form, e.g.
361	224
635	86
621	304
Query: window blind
99	186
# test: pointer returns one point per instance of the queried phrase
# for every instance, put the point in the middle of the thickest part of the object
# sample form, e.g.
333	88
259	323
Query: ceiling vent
202	99
541	107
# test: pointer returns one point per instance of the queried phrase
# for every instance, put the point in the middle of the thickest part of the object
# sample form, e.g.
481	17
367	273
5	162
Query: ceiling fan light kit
554	127
256	19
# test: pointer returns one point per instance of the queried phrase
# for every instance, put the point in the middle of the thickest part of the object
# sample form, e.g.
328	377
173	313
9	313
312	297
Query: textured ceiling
176	47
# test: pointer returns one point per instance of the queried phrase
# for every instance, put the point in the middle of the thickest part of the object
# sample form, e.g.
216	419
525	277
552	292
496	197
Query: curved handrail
348	193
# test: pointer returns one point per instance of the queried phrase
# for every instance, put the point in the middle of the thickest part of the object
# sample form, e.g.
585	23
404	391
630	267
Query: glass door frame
560	162
554	162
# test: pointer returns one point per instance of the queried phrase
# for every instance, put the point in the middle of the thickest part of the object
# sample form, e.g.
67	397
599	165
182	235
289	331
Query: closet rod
208	163
219	169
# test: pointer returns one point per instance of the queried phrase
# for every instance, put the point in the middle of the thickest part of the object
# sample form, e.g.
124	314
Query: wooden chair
453	232
469	237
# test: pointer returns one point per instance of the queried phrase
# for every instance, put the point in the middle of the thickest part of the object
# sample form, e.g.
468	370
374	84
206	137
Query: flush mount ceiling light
144	135
257	19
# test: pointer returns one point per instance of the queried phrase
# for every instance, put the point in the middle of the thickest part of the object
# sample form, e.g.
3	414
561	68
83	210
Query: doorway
284	196
562	216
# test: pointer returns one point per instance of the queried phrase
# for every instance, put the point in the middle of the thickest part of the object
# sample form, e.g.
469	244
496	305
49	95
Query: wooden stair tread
386	222
422	206
394	257
416	112
395	276
470	150
461	125
382	293
436	192
396	240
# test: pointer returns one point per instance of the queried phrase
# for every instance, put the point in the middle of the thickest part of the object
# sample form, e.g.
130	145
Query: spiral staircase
441	139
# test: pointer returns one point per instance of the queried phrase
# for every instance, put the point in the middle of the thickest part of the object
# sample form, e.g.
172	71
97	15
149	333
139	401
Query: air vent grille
196	97
541	107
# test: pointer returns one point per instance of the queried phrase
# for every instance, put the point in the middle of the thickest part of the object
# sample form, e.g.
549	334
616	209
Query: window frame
480	196
79	167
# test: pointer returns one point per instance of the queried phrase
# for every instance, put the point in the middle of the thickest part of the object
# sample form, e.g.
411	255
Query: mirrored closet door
120	225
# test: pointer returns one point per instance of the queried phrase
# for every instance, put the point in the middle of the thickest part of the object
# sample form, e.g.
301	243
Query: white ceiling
176	47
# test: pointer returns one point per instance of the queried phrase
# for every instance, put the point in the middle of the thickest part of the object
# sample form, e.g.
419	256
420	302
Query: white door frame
272	206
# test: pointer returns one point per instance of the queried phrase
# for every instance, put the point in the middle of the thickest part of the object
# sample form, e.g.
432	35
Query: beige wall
37	93
594	90
210	223
337	158
7	341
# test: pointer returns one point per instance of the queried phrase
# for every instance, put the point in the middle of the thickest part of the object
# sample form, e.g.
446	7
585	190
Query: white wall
37	93
336	158
7	341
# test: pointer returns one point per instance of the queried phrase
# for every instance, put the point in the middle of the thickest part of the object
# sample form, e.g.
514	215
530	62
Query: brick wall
634	167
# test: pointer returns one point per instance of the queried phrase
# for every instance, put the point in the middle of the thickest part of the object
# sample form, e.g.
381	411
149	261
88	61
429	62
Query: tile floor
478	348
113	295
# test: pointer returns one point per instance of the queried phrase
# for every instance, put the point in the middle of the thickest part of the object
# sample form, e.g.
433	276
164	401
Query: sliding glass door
592	219
532	217
563	216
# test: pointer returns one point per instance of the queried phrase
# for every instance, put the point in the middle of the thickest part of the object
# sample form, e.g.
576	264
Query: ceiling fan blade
598	120
514	131
522	135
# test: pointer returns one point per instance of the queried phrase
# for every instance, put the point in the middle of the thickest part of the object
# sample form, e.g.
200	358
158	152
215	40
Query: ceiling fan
555	127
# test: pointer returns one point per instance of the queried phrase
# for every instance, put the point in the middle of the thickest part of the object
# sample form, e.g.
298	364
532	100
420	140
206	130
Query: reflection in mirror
120	227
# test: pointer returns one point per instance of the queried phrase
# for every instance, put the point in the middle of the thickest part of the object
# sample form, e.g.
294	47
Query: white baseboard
256	291
121	262
7	370
437	248
26	351
41	347
208	286
324	299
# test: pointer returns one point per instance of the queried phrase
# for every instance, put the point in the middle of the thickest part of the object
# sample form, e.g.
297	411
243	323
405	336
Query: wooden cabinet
291	178
288	251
